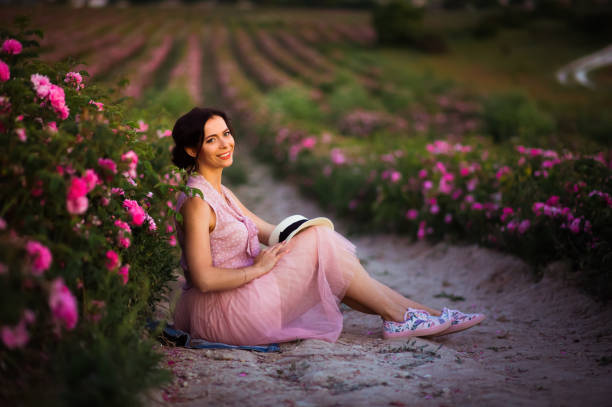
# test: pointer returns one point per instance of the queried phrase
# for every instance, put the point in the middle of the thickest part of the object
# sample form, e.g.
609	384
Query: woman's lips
225	156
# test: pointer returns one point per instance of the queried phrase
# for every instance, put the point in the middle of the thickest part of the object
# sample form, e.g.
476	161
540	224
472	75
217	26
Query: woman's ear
191	152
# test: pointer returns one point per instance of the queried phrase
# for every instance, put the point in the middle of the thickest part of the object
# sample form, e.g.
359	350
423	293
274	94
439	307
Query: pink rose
91	179
21	134
123	225
108	164
412	214
152	224
395	176
523	226
124	242
138	214
172	240
40	257
5	72
337	156
77	188
309	142
63	304
575	226
124	272
421	232
142	127
78	205
74	79
52	127
98	105
11	47
164	133
16	337
112	259
41	85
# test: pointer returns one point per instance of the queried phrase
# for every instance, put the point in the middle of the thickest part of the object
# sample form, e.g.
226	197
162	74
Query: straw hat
292	225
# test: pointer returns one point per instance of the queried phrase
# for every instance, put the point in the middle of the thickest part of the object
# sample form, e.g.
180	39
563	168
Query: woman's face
218	145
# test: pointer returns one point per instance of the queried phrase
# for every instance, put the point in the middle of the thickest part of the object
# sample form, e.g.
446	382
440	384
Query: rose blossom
124	242
16	337
124	272
74	79
112	259
172	240
123	225
523	226
108	164
63	304
98	105
412	214
77	206
77	188
5	72
138	214
40	256
91	179
21	134
309	142
337	156
11	47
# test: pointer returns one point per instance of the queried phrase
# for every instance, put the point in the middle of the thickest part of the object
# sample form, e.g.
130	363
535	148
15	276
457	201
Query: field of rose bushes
88	245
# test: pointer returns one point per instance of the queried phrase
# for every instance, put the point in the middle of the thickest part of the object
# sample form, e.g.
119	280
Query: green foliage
294	101
513	116
400	22
397	22
105	358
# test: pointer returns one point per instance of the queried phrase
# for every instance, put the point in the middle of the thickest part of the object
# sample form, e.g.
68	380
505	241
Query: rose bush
82	262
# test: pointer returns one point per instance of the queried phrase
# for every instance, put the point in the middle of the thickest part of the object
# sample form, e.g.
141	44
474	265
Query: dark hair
188	131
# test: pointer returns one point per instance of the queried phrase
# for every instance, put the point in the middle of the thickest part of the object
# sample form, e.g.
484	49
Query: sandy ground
543	343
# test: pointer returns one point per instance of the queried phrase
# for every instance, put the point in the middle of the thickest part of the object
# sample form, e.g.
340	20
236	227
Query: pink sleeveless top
233	242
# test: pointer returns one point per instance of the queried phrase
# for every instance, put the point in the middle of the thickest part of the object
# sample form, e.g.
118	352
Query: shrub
84	249
397	22
513	116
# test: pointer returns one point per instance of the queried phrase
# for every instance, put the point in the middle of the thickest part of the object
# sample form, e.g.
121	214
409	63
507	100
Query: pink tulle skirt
297	299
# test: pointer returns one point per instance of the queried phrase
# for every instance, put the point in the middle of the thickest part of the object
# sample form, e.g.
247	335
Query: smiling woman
239	294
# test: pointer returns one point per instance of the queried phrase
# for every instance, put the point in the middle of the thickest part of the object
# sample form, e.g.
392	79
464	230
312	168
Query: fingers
278	249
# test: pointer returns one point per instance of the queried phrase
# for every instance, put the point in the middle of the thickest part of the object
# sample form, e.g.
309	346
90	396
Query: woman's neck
212	176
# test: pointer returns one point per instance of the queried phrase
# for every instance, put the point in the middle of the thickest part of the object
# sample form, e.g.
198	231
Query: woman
237	293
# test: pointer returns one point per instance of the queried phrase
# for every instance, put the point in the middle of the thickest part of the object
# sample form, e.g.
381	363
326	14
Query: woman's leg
367	295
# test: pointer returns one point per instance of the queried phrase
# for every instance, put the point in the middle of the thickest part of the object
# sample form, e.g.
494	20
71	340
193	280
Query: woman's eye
227	133
210	140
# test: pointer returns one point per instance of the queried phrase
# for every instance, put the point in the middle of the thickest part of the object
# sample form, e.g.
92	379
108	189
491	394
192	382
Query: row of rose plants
85	235
287	60
543	205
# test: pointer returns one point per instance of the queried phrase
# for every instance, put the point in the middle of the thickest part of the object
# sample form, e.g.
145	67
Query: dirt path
543	343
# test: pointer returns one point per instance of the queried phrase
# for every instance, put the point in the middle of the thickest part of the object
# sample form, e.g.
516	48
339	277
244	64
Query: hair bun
181	159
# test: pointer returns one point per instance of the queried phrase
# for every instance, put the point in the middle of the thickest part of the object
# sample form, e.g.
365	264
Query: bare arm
265	229
196	221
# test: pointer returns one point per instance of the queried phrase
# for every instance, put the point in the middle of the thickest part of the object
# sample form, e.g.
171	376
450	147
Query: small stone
185	384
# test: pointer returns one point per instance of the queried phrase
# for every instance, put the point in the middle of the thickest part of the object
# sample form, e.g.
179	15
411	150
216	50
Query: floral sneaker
416	323
459	321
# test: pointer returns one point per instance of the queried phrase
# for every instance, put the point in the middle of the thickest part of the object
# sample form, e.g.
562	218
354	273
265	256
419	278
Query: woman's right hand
267	258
